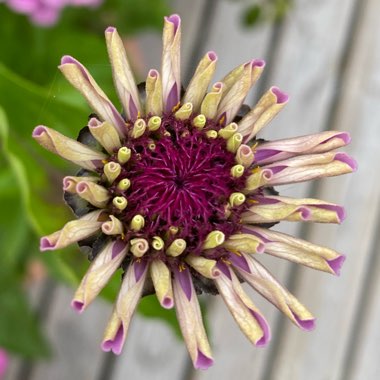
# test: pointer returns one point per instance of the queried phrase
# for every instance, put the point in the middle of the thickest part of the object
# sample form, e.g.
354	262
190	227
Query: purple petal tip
282	97
336	264
203	362
306	324
212	55
38	131
167	303
258	63
78	306
344	157
110	29
45	245
345	136
115	345
265	327
175	20
67	59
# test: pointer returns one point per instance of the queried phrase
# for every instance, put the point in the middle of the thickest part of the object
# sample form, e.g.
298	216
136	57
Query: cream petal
270	104
113	226
162	282
106	134
67	148
70	182
263	282
101	270
306	168
299	251
73	231
127	300
244	156
206	267
245	313
122	74
82	80
170	70
210	103
273	151
190	321
234	97
245	243
200	81
270	209
93	193
153	88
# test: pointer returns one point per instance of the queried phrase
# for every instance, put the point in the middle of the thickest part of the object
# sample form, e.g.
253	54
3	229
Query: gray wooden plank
321	354
305	67
151	352
75	340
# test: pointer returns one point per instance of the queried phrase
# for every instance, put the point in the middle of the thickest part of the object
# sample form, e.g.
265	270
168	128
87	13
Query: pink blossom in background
3	362
46	12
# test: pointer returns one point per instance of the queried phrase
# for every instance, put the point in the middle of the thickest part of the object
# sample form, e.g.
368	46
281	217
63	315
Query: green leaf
252	15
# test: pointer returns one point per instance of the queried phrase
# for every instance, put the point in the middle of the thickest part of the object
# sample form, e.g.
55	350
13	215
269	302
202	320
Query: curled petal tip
203	362
153	73
115	345
281	96
168	303
212	55
260	248
305	324
175	20
343	157
110	29
345	136
262	342
46	245
305	213
78	306
67	59
336	264
39	131
257	63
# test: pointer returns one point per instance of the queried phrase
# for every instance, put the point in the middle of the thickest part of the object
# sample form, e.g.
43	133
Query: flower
46	12
4	361
178	192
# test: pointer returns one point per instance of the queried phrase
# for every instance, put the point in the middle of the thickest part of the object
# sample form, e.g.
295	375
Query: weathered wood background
326	55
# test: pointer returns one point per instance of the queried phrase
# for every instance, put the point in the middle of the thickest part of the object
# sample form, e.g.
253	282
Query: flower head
178	192
46	12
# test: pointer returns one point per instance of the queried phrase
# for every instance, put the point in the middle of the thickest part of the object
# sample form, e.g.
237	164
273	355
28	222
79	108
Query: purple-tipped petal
46	245
78	306
167	303
184	278
339	210
343	157
175	20
115	345
212	55
239	261
307	324
336	264
39	131
282	97
203	362
264	326
172	99
117	248
139	267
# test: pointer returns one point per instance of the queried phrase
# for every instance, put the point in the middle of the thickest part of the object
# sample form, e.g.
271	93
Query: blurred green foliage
33	92
258	11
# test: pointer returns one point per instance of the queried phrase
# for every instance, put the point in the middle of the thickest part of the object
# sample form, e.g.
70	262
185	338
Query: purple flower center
180	178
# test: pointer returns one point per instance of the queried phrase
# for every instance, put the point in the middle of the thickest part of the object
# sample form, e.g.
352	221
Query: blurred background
325	54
